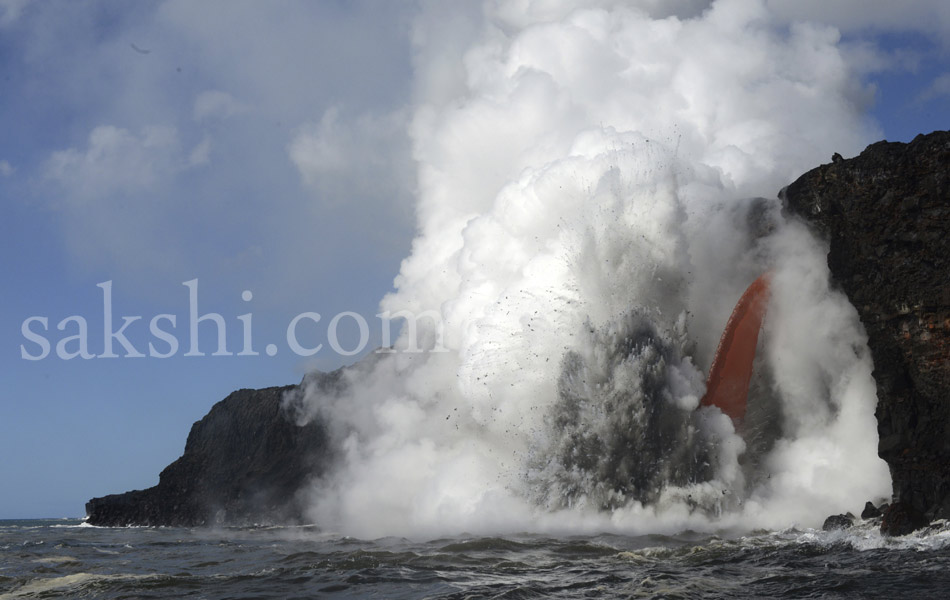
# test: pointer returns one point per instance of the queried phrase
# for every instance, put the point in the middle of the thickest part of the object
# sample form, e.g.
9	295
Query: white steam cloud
585	173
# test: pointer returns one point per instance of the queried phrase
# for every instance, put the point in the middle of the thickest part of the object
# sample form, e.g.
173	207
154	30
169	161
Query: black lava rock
870	511
886	216
244	463
838	522
901	518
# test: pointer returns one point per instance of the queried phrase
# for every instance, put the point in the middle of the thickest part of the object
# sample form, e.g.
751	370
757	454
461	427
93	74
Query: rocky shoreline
886	216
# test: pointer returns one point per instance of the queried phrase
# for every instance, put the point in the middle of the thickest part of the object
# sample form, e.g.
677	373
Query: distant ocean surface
67	559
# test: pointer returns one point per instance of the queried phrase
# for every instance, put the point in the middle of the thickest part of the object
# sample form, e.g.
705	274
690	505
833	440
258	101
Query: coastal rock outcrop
872	512
838	522
244	463
886	216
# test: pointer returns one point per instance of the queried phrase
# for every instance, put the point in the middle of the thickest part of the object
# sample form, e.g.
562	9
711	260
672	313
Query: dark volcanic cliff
886	214
244	463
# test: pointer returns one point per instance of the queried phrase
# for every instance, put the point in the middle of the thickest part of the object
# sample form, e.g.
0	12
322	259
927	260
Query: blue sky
253	147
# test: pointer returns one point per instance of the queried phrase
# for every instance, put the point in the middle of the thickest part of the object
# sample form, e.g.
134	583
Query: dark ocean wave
65	559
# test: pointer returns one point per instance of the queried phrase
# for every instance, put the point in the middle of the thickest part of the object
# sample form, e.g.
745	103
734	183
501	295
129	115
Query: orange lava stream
728	384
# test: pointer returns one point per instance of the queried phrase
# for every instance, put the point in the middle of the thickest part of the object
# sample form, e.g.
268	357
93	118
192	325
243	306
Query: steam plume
587	219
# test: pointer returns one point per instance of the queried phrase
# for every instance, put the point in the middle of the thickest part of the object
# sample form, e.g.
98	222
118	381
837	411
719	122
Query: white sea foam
74	581
56	560
867	535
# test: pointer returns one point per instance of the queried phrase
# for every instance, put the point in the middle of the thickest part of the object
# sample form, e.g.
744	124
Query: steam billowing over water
587	218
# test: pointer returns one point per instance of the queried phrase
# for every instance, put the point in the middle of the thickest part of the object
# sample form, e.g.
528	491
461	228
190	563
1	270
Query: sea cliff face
244	463
886	215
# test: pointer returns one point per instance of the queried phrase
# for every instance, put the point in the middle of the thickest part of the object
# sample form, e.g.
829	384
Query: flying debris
728	384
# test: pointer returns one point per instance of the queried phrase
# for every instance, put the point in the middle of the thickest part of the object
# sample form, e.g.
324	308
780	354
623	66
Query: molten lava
728	384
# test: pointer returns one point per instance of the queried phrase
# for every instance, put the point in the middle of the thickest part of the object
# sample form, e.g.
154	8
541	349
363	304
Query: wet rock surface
886	216
902	518
872	512
838	522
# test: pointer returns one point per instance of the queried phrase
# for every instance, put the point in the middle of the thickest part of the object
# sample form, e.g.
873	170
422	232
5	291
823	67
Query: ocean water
68	559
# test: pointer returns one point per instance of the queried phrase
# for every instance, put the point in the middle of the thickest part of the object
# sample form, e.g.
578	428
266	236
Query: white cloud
363	160
939	88
116	161
200	154
319	149
217	104
302	58
234	102
520	13
113	198
931	16
6	169
10	11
